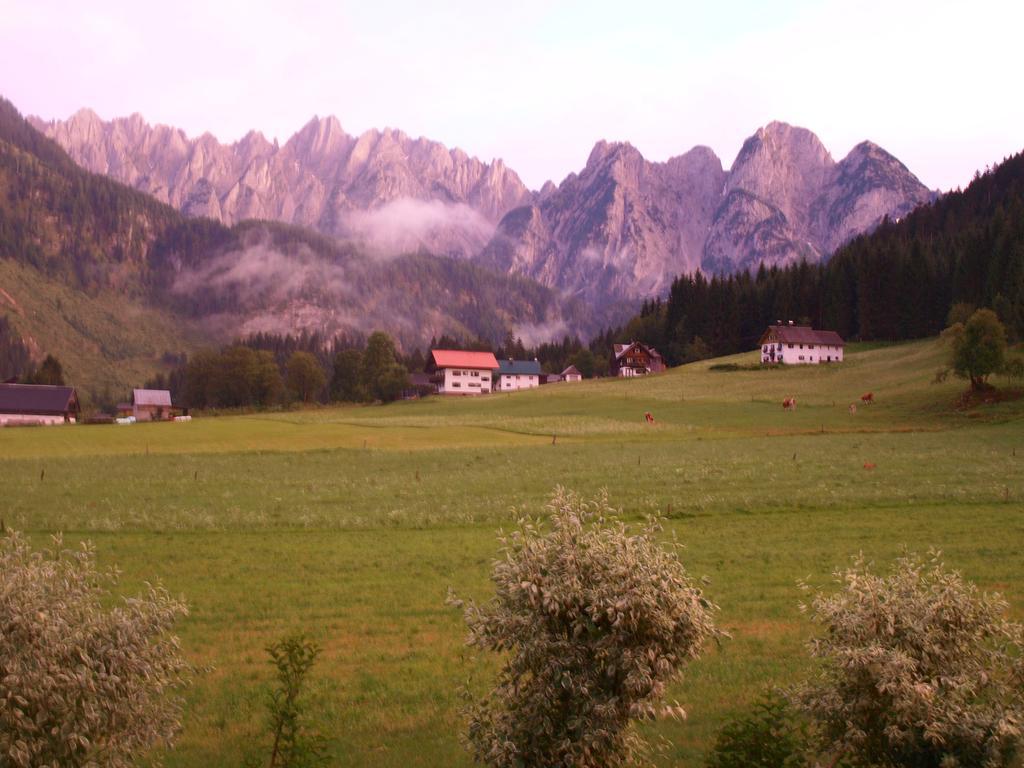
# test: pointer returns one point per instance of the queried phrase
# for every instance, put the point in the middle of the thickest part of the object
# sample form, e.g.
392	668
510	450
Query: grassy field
351	524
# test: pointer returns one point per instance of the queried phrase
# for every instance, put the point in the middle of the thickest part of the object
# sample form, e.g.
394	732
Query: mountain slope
625	226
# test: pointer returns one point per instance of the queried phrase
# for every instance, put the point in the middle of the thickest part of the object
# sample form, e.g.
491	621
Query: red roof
457	358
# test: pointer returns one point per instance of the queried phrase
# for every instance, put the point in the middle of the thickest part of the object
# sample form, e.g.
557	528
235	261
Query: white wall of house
465	381
802	354
509	382
573	377
28	418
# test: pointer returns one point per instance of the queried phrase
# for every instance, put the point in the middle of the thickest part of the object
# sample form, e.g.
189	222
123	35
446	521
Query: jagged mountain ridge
621	228
626	226
383	187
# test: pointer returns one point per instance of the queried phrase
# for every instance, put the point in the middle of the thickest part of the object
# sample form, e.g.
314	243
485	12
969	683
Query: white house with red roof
800	345
462	372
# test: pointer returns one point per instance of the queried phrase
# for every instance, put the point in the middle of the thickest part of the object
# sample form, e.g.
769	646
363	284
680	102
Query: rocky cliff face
625	226
622	228
383	187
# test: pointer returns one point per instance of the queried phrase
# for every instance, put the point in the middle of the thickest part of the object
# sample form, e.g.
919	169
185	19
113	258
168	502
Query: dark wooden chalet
636	359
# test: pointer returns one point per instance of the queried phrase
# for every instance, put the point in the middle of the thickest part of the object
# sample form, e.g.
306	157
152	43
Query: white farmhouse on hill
517	374
462	372
800	345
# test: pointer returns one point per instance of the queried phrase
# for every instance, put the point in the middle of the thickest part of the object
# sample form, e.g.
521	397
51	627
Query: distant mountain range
620	229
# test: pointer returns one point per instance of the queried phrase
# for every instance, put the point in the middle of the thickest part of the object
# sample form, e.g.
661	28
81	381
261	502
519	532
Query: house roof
158	397
620	349
458	358
572	370
518	367
43	399
804	334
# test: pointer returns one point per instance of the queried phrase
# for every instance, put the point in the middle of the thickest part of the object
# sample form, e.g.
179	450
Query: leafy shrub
769	735
918	669
81	683
596	622
292	744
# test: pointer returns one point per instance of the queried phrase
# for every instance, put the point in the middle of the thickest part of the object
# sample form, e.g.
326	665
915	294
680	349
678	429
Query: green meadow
352	523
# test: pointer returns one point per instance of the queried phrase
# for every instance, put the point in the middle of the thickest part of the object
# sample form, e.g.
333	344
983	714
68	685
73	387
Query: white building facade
790	344
460	372
514	375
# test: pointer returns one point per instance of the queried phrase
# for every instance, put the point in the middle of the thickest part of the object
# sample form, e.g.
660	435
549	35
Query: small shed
151	405
572	374
41	404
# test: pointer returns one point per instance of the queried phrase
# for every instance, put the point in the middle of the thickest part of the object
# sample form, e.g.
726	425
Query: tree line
267	370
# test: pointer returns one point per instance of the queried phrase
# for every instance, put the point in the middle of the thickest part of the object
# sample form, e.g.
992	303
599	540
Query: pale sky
538	83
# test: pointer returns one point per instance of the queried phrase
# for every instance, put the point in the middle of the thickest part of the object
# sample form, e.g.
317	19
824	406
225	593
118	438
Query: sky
538	82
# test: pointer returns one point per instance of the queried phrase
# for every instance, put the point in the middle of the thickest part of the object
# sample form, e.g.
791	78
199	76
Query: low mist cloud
533	334
406	224
264	274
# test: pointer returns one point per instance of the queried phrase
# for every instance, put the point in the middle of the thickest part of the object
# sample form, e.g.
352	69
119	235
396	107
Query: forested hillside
897	283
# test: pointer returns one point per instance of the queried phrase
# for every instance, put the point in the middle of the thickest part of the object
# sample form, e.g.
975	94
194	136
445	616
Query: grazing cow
853	409
869	465
789	404
868	398
648	417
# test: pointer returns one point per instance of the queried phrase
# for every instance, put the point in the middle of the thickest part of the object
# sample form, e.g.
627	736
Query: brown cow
868	398
869	465
789	404
648	417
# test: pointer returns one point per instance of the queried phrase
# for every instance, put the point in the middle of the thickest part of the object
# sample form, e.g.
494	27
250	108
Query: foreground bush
596	622
918	669
80	683
292	744
768	735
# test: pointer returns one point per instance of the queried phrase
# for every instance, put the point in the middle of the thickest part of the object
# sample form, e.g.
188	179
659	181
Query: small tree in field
918	669
81	684
978	347
596	622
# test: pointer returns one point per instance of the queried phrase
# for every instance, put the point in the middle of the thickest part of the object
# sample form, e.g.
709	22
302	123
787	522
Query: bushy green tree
917	669
584	362
346	376
305	377
978	347
50	372
83	681
593	622
383	377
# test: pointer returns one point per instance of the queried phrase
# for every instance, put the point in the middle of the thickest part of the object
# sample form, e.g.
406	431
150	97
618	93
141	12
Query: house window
801	357
790	346
456	385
